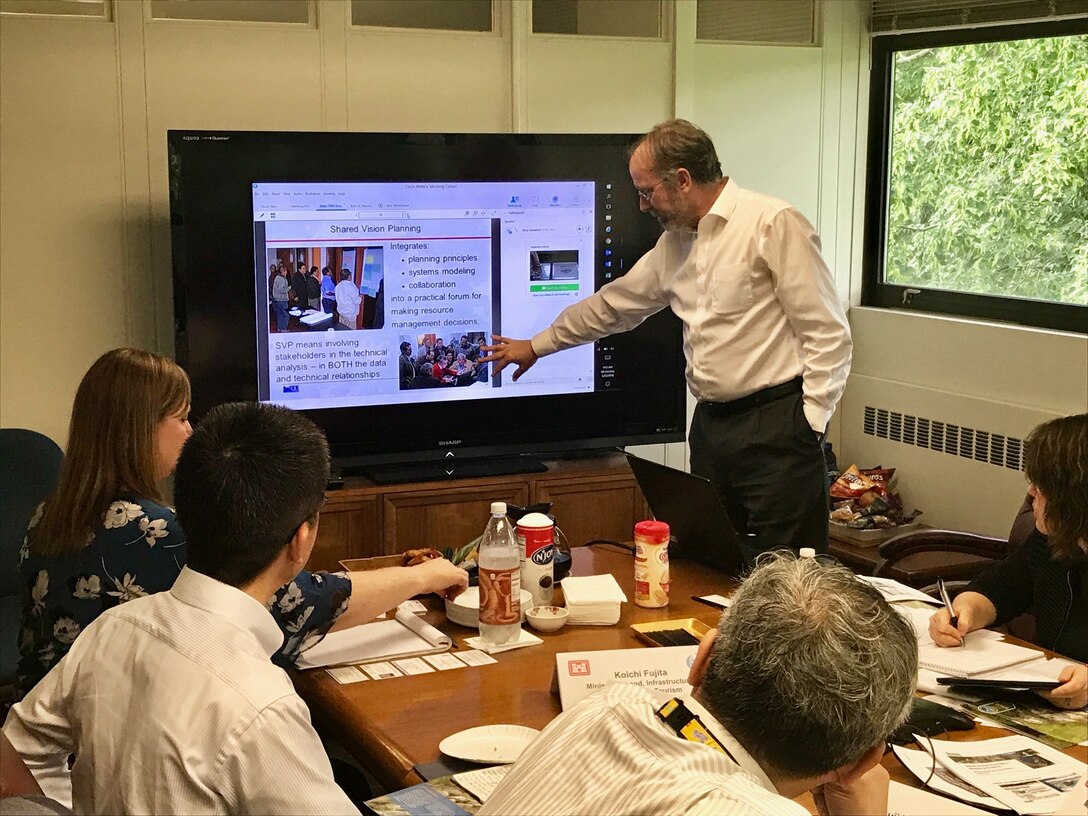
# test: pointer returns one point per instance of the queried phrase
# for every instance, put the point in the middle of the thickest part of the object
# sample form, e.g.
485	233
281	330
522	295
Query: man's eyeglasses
647	193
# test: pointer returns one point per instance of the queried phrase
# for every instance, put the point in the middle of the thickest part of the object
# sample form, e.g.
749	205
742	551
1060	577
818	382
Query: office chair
29	465
920	557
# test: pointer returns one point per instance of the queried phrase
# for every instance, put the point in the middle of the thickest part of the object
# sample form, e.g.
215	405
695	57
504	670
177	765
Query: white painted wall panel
762	107
423	81
597	84
63	291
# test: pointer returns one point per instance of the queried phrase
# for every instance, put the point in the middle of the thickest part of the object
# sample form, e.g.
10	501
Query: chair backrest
29	465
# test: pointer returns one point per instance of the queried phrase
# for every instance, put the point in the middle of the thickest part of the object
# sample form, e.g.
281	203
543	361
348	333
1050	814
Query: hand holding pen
949	626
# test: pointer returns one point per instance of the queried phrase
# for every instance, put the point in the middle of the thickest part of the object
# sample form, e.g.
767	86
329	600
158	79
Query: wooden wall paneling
350	527
601	507
443	517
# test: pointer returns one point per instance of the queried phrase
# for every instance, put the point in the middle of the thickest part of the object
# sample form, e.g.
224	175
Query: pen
952	617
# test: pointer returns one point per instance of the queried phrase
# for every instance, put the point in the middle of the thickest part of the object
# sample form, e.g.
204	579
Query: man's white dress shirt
171	705
610	754
347	299
757	301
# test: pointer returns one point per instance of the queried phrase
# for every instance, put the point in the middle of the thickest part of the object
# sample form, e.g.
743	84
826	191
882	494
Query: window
598	18
977	177
439	15
91	9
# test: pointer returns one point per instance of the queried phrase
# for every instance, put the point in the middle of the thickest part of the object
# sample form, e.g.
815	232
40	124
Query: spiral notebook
405	635
979	657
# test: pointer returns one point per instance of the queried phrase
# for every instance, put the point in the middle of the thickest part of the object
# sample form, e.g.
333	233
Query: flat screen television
434	242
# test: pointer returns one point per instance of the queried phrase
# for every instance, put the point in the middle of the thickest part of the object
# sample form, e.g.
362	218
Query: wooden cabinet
593	498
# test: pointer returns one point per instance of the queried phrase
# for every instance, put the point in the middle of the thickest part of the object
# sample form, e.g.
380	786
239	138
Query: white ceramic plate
495	744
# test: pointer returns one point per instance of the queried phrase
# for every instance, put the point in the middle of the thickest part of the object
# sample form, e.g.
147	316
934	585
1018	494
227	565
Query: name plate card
662	669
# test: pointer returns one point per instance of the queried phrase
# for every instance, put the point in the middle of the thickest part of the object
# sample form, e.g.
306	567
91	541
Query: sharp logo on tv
450	443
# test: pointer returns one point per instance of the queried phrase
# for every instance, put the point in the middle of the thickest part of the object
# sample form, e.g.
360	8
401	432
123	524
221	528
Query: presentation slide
383	293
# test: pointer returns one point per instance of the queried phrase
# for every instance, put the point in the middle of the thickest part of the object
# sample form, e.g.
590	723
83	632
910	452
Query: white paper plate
495	744
465	608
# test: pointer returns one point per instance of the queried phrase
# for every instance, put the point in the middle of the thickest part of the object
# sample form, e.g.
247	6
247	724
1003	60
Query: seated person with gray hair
800	685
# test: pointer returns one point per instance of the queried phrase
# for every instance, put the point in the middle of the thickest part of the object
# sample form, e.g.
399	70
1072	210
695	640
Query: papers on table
524	639
943	780
385	670
895	591
406	635
1022	774
482	783
903	800
593	600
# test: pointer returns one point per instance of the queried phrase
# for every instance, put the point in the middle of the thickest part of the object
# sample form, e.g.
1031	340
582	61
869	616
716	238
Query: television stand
403	473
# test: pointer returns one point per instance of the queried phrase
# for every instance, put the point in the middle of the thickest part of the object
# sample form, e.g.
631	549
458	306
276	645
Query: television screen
355	276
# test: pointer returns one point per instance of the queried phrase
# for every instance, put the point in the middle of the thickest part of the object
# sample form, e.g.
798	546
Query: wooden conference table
392	725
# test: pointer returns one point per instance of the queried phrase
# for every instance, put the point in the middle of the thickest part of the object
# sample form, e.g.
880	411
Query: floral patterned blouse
139	549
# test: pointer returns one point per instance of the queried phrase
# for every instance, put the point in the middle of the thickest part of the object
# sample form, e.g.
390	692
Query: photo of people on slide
322	288
433	361
553	265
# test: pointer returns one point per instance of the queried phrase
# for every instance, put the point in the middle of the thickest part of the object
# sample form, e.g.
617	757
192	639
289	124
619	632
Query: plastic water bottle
500	580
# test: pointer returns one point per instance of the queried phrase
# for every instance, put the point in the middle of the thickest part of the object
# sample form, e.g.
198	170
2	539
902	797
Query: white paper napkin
524	639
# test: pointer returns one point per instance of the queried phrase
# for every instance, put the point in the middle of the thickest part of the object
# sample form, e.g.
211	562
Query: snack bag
851	484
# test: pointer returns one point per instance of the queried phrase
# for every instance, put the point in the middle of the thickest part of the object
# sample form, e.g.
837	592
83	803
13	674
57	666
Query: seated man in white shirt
170	702
807	674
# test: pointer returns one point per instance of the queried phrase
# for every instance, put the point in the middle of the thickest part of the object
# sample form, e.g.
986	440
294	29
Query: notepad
981	656
405	635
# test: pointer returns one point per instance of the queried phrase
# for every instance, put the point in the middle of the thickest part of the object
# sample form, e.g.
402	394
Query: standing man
347	299
299	288
406	370
765	337
328	291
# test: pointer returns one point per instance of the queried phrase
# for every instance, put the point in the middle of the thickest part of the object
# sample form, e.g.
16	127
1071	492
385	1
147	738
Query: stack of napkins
593	600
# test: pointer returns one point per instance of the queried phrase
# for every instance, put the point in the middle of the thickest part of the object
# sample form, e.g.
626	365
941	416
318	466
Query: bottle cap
498	508
807	552
656	531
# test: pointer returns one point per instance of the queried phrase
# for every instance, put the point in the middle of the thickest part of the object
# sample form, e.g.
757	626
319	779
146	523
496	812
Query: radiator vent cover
944	437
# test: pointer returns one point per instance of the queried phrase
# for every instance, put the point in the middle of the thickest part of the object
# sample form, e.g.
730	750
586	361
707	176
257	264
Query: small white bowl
547	618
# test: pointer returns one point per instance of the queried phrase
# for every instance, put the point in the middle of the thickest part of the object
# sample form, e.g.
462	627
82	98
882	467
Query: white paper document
482	783
406	635
920	763
893	590
346	674
903	800
1025	775
523	639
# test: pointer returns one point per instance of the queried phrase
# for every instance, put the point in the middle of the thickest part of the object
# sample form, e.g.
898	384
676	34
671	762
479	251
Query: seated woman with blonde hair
1048	575
105	535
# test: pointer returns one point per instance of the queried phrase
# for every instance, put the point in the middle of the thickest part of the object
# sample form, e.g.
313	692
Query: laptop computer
691	507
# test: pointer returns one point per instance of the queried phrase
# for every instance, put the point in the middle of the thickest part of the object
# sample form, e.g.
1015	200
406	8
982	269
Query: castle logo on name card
578	668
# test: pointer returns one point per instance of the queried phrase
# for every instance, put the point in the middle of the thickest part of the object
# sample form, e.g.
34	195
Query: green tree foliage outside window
988	189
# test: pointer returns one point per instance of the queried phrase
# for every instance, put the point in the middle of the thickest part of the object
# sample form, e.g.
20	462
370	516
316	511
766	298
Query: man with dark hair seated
170	702
806	676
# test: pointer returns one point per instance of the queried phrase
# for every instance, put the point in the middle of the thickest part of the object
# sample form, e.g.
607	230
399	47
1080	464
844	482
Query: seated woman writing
1048	575
105	534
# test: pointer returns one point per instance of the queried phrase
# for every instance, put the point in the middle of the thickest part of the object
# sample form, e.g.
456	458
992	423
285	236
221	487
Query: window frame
874	290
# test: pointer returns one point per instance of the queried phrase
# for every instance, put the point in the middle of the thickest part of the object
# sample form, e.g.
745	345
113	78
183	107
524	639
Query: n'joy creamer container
536	535
652	563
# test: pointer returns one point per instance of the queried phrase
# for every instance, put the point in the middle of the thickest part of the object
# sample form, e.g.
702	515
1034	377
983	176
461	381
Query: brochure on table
663	669
1023	774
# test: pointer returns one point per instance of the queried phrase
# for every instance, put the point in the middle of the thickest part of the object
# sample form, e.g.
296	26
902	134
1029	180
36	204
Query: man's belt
761	397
